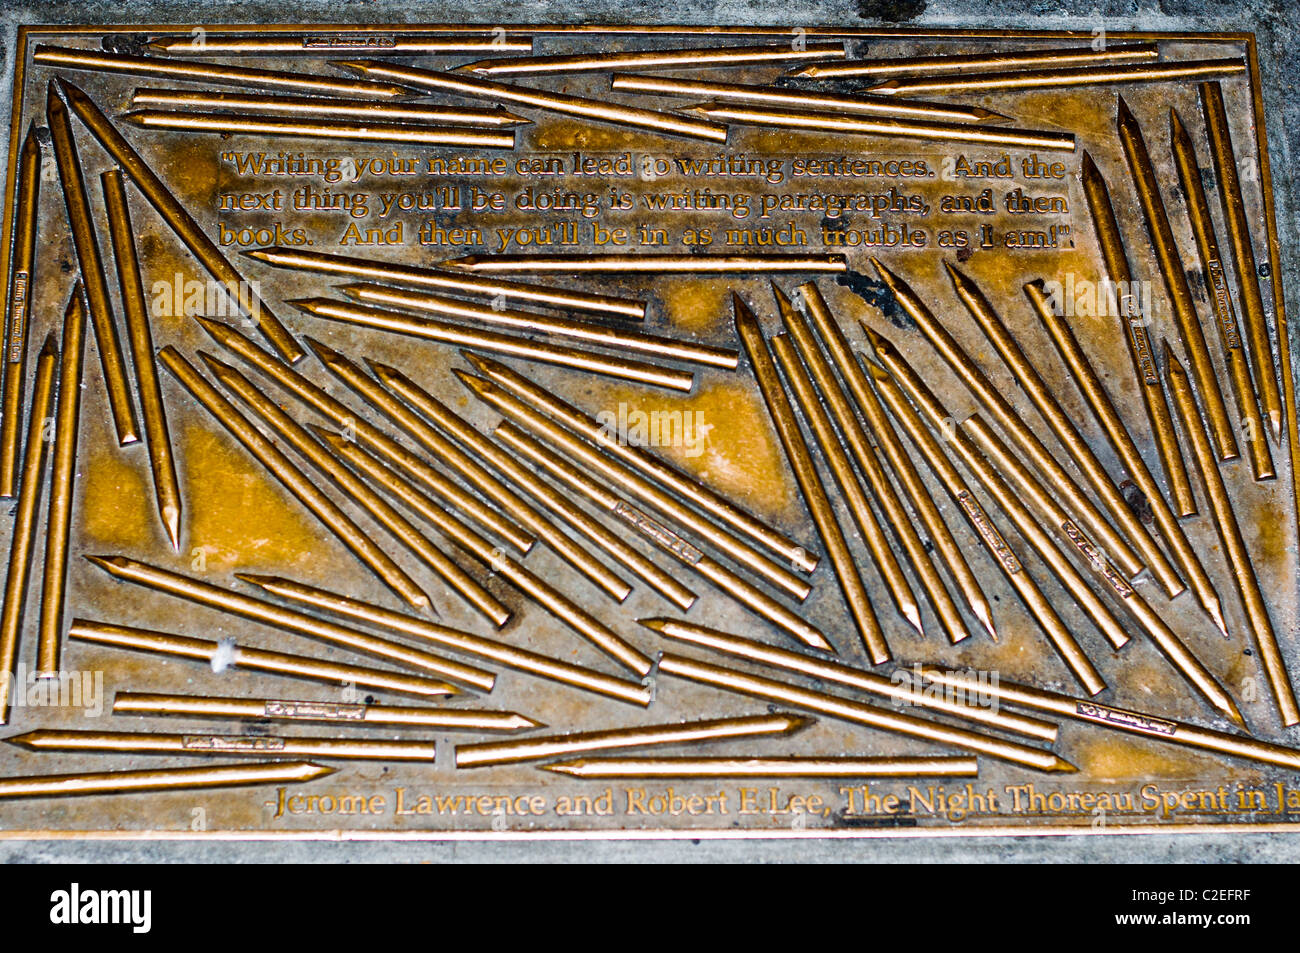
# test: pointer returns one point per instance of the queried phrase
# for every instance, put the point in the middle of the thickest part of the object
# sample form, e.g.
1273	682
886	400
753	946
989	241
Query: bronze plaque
829	359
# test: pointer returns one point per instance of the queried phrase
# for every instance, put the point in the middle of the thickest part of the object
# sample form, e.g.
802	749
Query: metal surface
238	519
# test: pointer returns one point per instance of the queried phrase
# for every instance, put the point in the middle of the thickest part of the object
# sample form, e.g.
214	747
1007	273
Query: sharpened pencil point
990	118
879	343
1123	114
1235	716
573	769
257	579
381	370
484	365
1214	609
324	353
305	305
912	613
172	520
982	612
218	367
476	384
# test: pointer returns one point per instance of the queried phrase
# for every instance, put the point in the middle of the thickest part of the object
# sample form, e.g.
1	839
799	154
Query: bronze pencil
618	114
735	587
63	475
645	463
180	221
23	534
1002	61
306	490
162	464
91	266
1236	553
1243	251
1078	76
1216	285
99	61
22	267
809	483
697	58
268	613
1133	326
226	654
1186	319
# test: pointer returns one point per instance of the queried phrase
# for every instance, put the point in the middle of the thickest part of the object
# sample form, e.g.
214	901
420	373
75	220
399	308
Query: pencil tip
324	353
385	372
1214	609
476	384
982	612
1123	114
879	343
335	440
172	520
655	624
484	365
1170	358
819	642
1235	716
877	372
912	613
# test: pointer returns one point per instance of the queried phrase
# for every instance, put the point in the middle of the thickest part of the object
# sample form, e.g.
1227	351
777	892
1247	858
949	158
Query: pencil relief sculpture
483	432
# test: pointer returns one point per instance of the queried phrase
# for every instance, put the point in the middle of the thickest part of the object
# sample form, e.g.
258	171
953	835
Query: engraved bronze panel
447	431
